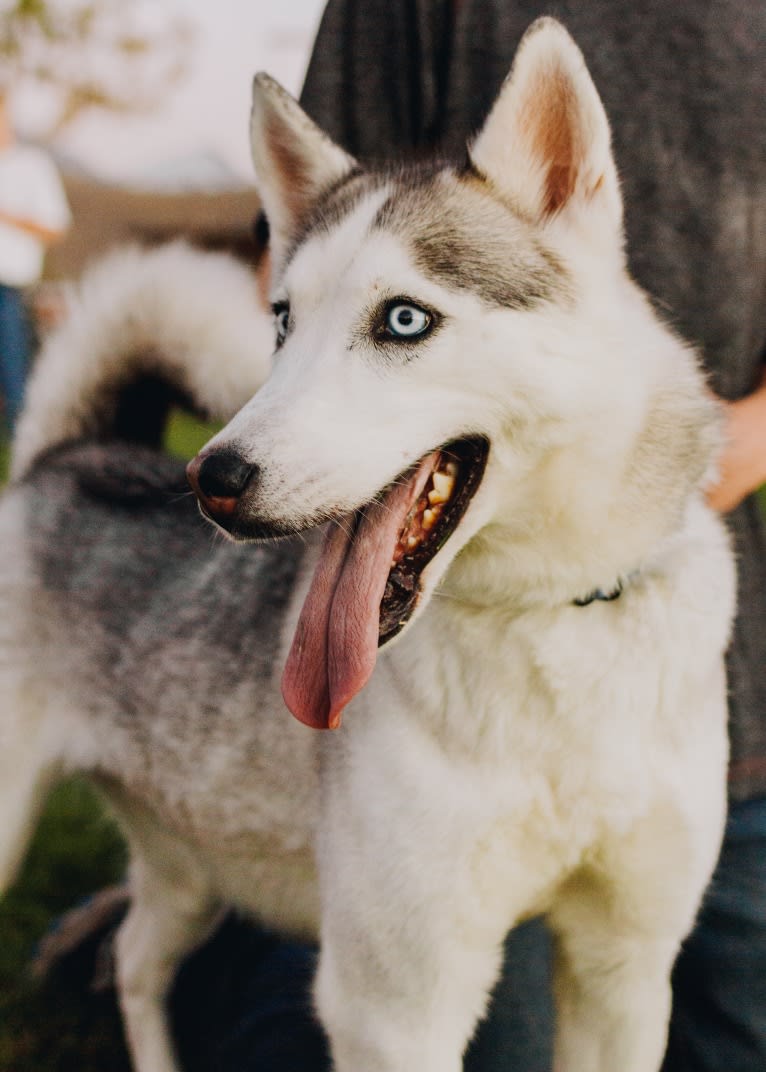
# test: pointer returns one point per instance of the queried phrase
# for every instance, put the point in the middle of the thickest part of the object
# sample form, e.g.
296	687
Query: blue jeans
262	1018
14	351
719	1016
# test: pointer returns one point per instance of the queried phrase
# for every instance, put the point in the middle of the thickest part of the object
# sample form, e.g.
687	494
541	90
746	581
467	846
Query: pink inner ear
296	187
551	126
559	187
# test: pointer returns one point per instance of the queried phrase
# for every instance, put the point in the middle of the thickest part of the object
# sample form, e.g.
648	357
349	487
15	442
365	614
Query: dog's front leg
619	924
409	951
396	996
613	1002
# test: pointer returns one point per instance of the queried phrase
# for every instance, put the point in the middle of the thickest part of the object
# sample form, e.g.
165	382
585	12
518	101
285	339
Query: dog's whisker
343	525
176	497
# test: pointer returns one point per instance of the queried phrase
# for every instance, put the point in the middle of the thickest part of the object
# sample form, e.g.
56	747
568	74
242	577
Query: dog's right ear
546	145
295	162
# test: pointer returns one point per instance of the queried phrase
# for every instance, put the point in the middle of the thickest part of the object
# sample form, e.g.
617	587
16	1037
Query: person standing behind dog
33	214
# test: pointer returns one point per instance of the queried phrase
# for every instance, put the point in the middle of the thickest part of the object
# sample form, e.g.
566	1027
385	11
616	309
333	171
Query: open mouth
451	484
368	579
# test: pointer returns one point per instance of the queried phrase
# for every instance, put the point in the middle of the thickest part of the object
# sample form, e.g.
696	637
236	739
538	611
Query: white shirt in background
30	189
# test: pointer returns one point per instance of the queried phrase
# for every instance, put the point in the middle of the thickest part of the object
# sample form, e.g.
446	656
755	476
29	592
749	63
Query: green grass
46	1026
77	843
185	434
5	457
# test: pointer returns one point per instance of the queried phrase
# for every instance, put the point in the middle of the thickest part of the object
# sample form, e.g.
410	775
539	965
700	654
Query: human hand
742	465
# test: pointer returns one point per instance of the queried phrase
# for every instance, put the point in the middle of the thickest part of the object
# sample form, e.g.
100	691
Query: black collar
599	593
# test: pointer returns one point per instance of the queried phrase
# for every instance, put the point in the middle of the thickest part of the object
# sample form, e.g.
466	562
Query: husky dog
509	449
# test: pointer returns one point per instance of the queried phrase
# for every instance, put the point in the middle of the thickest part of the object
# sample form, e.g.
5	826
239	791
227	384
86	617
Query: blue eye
405	321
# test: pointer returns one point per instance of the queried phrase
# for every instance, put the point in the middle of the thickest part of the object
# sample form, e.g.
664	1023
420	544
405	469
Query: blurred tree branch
120	55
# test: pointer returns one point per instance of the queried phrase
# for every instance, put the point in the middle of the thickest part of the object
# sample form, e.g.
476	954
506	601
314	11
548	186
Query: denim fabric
14	351
518	1031
244	1002
719	1018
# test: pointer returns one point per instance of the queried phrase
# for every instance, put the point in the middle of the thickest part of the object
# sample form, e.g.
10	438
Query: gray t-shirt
684	85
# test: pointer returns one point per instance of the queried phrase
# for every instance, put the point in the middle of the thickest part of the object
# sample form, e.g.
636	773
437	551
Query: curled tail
144	328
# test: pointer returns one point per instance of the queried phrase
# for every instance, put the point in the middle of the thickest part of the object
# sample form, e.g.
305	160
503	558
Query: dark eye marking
281	311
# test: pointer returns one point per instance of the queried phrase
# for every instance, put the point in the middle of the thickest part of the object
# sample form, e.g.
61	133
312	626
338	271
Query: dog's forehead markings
459	234
336	204
456	232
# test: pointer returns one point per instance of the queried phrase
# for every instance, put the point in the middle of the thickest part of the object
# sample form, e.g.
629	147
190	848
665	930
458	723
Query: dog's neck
568	550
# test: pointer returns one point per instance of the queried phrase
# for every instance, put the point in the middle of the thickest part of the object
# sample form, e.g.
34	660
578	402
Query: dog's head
446	339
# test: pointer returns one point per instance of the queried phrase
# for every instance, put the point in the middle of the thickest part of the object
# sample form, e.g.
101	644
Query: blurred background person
33	214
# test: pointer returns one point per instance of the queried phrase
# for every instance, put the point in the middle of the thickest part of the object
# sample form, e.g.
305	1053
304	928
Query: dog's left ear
546	146
295	162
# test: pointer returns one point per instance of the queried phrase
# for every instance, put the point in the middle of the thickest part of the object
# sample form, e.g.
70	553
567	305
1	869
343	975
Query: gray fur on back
165	639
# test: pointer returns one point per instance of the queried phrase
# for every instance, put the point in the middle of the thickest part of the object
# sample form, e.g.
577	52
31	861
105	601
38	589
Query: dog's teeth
412	541
442	489
429	519
451	469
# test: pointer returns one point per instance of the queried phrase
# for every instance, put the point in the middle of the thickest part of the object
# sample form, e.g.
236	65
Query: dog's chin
246	529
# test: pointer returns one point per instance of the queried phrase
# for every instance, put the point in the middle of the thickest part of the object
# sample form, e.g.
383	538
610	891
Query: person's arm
742	466
45	234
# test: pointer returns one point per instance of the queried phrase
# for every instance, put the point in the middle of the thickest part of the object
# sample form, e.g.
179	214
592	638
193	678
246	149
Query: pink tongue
336	642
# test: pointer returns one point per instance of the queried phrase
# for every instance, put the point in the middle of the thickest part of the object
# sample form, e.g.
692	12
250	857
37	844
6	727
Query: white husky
511	447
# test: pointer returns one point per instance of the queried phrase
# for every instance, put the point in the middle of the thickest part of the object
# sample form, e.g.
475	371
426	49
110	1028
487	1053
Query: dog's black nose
224	475
219	480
